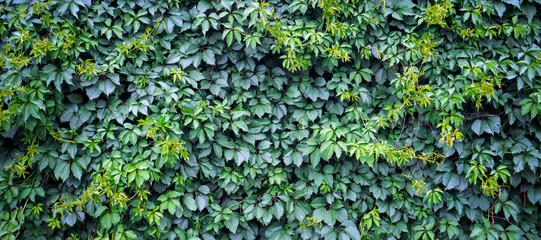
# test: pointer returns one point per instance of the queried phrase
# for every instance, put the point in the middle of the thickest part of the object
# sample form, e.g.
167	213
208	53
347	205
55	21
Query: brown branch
502	218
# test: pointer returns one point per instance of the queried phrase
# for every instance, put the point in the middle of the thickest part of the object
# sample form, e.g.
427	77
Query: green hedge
295	119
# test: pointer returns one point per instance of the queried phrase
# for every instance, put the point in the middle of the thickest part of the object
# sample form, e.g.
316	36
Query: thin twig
485	115
419	166
400	135
418	126
505	219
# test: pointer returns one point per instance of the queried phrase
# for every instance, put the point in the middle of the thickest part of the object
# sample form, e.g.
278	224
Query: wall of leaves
295	119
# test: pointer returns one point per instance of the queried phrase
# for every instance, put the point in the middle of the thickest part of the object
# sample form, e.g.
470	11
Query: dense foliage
296	119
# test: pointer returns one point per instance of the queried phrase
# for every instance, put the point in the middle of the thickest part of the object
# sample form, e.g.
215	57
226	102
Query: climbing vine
297	119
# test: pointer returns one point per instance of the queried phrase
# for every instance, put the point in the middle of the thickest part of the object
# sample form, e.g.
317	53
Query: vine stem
418	125
485	115
502	218
24	207
491	212
419	166
400	135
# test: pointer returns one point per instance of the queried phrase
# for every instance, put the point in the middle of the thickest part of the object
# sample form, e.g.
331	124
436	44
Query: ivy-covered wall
294	119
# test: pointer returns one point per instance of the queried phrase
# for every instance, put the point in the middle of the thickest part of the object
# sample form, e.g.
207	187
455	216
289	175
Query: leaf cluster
297	119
